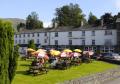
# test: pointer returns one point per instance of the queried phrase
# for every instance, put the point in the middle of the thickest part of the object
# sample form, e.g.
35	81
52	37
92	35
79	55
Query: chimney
82	23
55	25
118	23
102	23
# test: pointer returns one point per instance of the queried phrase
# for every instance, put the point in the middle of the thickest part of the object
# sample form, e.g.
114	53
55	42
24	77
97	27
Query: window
56	34
38	34
106	48
23	35
108	32
37	41
33	35
83	42
20	35
15	36
70	34
19	41
83	33
24	41
28	35
93	42
45	40
93	33
16	41
56	42
70	42
45	34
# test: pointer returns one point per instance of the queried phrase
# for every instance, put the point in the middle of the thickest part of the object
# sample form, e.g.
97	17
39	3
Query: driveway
114	81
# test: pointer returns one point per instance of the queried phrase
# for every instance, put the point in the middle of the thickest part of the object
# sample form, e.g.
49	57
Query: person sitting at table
41	62
35	63
53	64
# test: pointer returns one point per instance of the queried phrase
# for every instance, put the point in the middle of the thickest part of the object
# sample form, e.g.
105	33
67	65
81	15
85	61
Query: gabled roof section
63	29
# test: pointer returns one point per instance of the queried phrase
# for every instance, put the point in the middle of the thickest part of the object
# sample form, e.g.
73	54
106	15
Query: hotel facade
100	38
94	38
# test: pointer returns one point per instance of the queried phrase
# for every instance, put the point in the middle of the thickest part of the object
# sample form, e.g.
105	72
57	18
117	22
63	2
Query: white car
111	56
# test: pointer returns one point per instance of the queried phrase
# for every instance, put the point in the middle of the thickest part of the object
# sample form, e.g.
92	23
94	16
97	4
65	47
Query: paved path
114	81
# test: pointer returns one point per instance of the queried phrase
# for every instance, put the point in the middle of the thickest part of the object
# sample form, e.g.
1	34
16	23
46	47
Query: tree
85	21
13	64
54	23
97	22
107	19
7	55
20	25
69	15
33	22
118	16
31	44
92	19
115	17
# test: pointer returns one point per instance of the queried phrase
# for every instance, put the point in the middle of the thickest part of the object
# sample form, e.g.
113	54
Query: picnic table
37	68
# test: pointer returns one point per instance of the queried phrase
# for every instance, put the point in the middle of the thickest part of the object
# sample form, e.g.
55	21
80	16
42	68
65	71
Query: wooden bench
35	70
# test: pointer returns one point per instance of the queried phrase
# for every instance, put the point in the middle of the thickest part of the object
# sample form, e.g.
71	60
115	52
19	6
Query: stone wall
98	78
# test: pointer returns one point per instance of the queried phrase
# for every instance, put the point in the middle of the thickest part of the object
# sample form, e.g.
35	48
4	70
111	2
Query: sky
46	8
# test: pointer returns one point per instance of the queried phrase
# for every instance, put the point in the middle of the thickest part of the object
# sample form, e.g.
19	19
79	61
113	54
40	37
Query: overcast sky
46	8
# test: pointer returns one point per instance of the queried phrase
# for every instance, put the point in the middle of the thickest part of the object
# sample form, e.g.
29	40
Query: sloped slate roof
63	29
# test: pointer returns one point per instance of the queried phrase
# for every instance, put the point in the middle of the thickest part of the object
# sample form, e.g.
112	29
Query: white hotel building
95	38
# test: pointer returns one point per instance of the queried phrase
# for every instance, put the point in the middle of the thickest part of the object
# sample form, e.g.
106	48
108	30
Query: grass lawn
57	76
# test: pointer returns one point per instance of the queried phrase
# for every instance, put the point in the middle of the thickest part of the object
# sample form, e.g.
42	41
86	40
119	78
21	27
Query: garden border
98	78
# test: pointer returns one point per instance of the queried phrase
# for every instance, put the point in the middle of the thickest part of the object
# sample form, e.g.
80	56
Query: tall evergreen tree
13	63
20	25
7	53
33	22
92	19
31	44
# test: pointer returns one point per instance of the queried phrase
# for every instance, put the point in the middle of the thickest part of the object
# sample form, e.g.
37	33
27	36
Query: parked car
111	56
